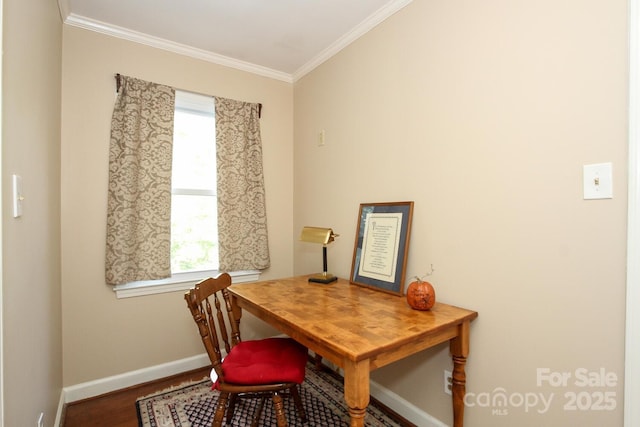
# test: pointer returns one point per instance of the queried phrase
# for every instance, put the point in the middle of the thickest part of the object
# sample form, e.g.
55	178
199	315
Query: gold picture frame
382	246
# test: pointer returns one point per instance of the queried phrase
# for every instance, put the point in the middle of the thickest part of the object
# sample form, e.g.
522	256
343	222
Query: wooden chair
270	367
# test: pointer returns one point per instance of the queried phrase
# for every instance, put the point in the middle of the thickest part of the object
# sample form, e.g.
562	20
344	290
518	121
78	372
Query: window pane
194	233
194	151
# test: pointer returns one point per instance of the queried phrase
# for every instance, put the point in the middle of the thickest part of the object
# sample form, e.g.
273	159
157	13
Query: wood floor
118	409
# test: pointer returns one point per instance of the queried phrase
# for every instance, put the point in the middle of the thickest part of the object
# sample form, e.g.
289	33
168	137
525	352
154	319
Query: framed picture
382	245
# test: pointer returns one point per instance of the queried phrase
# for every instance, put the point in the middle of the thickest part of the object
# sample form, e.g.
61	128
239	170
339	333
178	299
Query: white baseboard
58	420
402	407
128	379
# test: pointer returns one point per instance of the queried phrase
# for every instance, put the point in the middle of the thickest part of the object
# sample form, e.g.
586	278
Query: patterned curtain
139	196
242	218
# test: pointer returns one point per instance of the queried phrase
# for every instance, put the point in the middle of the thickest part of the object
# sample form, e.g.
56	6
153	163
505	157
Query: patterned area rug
193	405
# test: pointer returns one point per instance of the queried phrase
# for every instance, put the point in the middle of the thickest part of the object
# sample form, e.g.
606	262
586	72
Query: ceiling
282	39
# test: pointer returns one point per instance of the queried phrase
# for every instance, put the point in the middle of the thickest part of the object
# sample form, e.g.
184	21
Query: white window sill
178	282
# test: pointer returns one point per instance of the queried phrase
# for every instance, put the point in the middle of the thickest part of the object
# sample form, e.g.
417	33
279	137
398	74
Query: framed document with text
382	245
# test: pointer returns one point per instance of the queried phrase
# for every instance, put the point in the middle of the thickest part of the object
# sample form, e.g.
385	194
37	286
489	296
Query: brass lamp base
323	278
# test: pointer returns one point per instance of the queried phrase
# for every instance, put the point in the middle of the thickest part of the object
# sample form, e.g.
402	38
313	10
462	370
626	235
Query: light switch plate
17	195
597	180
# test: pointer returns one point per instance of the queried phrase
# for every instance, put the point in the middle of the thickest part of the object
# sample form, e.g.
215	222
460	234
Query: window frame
179	282
184	280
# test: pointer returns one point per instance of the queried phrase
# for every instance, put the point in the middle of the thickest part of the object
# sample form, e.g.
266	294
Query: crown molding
361	29
63	7
123	33
137	37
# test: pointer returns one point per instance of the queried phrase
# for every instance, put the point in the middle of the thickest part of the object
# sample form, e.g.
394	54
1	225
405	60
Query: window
194	231
194	242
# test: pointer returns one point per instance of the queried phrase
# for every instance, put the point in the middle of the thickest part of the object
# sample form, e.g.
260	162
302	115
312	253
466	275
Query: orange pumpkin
421	295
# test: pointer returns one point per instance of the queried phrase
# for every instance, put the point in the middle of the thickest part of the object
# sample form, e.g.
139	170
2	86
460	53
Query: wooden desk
359	329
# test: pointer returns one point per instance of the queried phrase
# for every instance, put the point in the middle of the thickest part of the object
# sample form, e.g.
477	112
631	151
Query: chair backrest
217	319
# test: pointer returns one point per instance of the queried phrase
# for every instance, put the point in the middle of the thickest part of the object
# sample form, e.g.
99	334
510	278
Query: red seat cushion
266	361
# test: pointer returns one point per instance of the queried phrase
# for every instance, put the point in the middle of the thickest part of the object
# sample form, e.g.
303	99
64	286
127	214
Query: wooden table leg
356	390
459	347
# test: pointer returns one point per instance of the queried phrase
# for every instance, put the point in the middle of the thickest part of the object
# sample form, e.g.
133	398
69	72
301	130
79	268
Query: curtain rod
119	82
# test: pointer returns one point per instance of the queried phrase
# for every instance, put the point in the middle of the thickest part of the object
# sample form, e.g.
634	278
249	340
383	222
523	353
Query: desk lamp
324	236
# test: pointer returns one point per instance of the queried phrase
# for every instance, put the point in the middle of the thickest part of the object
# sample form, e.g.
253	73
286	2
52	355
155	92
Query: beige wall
31	317
484	113
103	336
